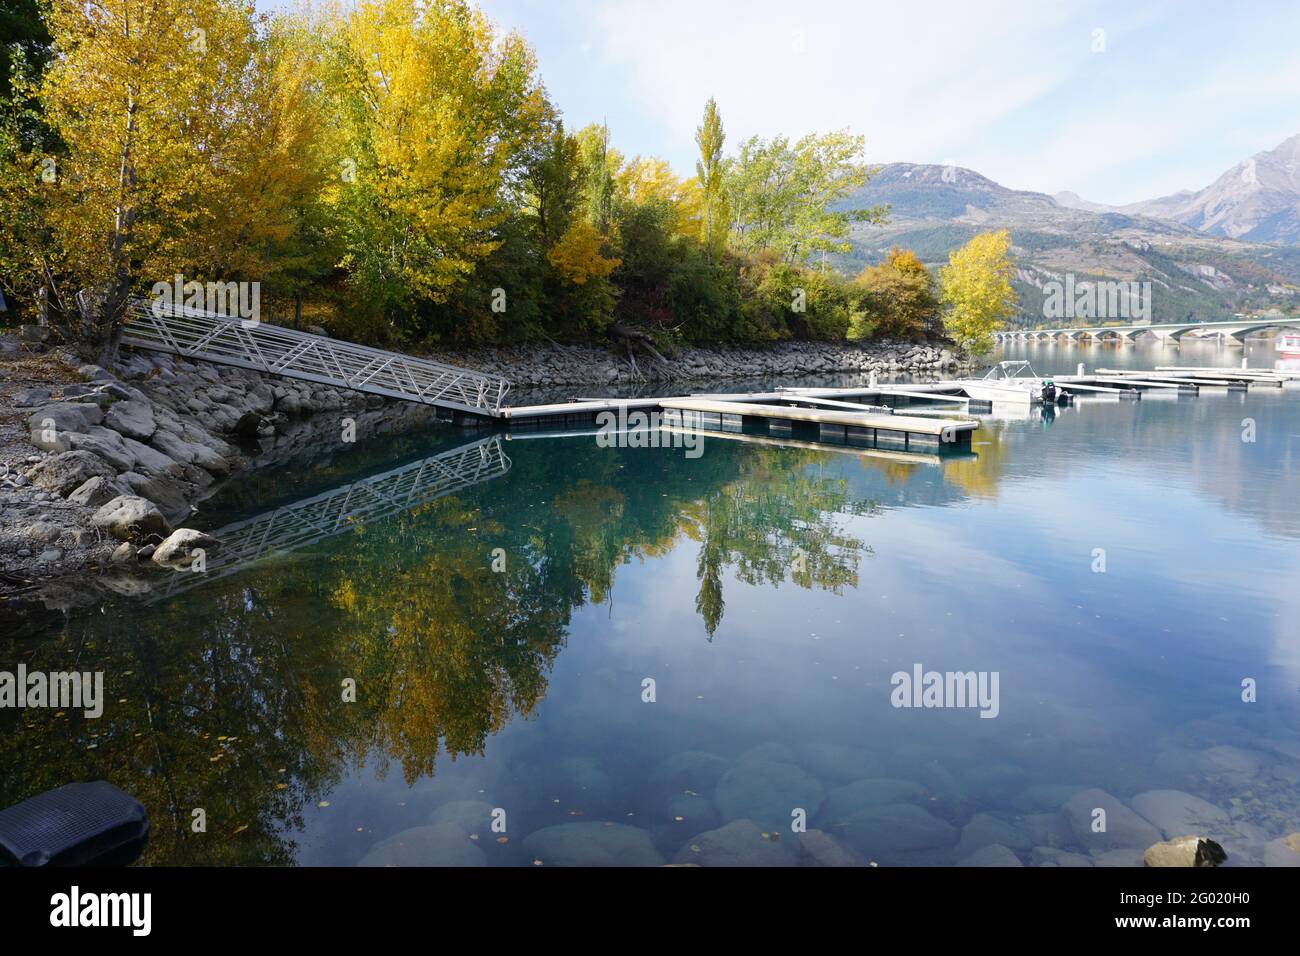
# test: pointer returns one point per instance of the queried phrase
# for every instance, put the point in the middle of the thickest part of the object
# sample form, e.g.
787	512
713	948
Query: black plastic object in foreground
81	824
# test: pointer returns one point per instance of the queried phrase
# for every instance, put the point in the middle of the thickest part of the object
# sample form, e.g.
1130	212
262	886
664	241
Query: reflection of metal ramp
305	522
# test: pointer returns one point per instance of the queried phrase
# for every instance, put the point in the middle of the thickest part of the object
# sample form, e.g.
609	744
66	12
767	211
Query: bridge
1234	330
225	340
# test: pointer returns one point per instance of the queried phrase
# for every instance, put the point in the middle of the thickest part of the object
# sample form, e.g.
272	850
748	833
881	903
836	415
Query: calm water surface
501	637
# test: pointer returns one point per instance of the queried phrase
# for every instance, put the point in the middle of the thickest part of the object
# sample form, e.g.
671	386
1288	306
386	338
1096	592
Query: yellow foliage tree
433	109
577	257
976	288
140	94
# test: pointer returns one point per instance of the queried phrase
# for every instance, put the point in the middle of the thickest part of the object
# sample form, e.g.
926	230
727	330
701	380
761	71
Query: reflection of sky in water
1129	680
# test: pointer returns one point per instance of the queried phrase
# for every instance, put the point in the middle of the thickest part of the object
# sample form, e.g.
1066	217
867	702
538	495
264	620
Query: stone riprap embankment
544	365
101	469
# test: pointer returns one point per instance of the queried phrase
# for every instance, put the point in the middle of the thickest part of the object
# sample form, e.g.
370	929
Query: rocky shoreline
547	365
100	469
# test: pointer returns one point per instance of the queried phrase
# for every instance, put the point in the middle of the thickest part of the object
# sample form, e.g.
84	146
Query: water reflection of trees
230	699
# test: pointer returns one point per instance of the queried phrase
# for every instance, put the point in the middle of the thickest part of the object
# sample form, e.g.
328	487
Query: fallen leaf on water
679	819
473	836
323	803
537	862
242	829
282	786
503	839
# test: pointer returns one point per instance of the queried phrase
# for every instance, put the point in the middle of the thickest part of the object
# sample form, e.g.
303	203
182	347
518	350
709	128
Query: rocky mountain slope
1194	272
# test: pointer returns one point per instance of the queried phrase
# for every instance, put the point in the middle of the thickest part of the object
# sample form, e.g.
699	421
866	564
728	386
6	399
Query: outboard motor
81	824
1049	392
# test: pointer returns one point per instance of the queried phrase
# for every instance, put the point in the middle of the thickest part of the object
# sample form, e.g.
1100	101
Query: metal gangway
346	508
228	340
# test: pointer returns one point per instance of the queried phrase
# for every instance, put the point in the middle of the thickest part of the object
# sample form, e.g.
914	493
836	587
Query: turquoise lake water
1121	567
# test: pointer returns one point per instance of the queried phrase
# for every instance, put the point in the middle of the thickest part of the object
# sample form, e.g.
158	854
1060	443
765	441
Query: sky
1116	101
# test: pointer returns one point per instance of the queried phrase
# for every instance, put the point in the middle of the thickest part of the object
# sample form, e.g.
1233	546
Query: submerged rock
986	830
825	850
1124	829
860	795
1184	851
693	770
471	816
1284	851
896	828
592	844
692	813
441	845
1176	812
767	793
739	843
995	854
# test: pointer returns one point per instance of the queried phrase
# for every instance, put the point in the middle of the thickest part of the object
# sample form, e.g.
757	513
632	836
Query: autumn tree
977	291
433	110
710	137
141	93
901	295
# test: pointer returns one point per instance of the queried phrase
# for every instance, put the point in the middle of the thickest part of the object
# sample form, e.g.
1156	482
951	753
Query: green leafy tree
790	199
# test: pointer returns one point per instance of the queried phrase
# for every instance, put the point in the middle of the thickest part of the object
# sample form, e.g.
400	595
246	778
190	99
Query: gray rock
187	452
65	472
50	555
592	844
739	843
105	443
43	531
167	495
471	816
986	830
767	793
31	396
1124	828
440	845
995	854
177	549
1176	812
94	373
860	795
124	553
1190	851
131	418
1052	856
693	813
882	832
62	416
1048	829
97	491
129	518
1284	851
150	461
826	850
692	770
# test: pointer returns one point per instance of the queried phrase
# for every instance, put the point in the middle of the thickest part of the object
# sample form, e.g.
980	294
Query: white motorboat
1012	381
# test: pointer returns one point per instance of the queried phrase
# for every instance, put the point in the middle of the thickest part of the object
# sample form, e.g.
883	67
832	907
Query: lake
541	651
